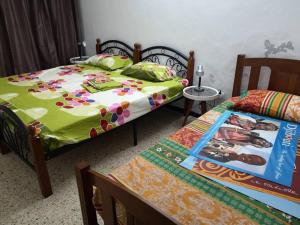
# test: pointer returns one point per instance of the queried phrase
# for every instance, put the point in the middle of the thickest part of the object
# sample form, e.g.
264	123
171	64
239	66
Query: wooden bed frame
285	76
16	137
138	210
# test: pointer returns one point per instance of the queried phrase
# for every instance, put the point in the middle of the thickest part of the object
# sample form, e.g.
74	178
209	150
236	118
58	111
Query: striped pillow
271	103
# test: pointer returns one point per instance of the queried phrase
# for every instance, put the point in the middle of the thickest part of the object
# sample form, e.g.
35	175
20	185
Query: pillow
109	62
150	71
271	103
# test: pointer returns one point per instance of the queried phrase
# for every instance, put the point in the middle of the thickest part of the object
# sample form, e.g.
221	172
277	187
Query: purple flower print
52	85
133	84
68	70
123	91
156	100
25	77
119	112
102	77
76	98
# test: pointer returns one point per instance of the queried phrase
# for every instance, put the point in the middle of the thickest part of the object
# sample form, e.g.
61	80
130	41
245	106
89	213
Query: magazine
257	145
217	172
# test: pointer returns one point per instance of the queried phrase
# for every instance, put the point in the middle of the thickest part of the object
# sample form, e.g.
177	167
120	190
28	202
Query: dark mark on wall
212	78
271	49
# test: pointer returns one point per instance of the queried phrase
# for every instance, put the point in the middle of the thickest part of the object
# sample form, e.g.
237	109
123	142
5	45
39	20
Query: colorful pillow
109	62
150	71
271	103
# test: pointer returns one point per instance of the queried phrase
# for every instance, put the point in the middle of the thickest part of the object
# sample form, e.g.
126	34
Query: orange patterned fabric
271	103
186	137
293	111
176	198
252	101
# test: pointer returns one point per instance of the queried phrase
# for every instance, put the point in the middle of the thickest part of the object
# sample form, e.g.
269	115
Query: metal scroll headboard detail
167	56
116	47
14	134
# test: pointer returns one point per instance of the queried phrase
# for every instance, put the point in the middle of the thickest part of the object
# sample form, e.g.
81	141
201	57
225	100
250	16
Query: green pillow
109	62
149	71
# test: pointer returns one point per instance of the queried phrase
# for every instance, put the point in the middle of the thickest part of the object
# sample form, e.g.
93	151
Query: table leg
203	107
187	109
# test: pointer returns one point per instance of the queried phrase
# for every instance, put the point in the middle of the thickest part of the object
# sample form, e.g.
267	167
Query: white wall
216	29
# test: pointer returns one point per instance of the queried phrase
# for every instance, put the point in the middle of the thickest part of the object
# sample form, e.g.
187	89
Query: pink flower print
101	77
133	84
119	112
123	91
81	93
126	83
104	55
170	72
25	77
51	85
55	83
185	82
156	100
73	101
68	70
95	75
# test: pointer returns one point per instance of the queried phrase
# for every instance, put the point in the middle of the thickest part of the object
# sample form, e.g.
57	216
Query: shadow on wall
283	47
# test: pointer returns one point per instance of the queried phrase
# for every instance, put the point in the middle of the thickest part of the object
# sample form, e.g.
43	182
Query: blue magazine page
282	204
257	145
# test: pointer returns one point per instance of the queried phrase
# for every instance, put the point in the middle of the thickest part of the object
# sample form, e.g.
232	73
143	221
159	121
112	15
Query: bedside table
78	60
191	95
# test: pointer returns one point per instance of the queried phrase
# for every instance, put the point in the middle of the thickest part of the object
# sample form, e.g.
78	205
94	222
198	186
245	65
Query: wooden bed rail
284	77
138	211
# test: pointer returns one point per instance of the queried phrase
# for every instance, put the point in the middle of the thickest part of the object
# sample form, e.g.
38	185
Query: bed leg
134	133
40	166
85	193
3	149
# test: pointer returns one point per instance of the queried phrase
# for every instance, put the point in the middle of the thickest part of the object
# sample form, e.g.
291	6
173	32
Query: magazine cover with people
257	145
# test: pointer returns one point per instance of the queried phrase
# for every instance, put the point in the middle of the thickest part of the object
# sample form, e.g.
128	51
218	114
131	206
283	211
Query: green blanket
104	86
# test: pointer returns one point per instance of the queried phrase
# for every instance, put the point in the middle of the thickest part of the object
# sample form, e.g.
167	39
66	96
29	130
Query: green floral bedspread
63	112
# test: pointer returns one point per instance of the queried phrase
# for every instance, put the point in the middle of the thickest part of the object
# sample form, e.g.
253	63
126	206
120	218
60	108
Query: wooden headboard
285	74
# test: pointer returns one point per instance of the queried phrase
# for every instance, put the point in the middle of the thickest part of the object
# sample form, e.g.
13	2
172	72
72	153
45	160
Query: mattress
63	112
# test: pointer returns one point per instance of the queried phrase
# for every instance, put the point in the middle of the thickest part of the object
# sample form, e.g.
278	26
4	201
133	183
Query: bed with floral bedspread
63	112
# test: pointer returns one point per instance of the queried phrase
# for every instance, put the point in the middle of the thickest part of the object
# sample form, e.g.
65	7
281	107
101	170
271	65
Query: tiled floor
20	199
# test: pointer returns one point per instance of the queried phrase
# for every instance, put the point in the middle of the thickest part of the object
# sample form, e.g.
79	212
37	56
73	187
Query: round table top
206	94
77	60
